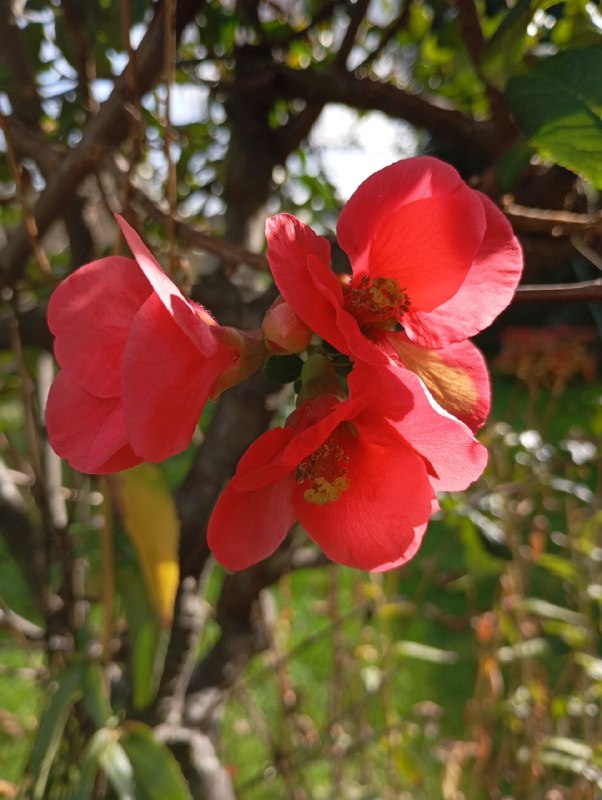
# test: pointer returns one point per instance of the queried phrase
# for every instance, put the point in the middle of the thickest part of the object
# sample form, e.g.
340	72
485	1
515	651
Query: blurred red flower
552	356
138	359
427	252
359	474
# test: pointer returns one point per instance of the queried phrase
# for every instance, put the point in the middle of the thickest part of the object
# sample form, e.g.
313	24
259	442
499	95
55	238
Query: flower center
376	301
326	471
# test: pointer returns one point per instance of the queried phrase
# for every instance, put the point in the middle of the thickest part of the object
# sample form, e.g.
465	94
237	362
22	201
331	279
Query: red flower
359	475
138	362
426	251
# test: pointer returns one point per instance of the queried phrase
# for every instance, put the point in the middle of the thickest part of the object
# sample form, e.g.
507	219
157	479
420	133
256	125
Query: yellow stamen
376	301
326	470
323	492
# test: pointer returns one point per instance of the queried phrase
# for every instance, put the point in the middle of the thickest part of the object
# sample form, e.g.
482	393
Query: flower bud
283	331
251	353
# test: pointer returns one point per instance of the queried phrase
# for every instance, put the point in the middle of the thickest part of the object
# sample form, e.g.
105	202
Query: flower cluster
390	390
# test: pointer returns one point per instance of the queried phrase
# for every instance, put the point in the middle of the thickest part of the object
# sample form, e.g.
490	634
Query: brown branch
290	135
470	28
22	89
356	17
104	132
321	15
22	538
22	192
15	623
585	292
397	24
228	252
474	41
84	65
33	326
437	117
558	223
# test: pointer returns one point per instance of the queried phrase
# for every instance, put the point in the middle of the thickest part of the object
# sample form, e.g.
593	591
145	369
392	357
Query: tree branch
22	90
229	252
470	28
397	24
103	132
15	623
558	223
331	86
585	292
357	14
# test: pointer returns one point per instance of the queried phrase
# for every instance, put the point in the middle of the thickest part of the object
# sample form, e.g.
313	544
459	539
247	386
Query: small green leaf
149	516
283	369
148	661
558	105
104	751
558	566
503	52
147	655
156	772
95	696
50	730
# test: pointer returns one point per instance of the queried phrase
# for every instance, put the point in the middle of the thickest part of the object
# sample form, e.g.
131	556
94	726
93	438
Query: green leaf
558	105
156	772
95	695
148	662
149	516
503	53
146	651
104	751
283	369
557	565
50	730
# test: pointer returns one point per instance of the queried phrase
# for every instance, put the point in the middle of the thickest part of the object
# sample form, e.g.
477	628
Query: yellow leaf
149	517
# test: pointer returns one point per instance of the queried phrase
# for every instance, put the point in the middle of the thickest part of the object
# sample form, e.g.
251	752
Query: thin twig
15	623
356	17
470	28
586	251
227	251
558	223
586	292
169	139
28	217
396	25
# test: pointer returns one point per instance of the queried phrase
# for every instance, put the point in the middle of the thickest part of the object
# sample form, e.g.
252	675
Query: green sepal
283	369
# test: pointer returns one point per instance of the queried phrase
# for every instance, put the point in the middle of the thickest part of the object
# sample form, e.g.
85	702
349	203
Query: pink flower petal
415	221
166	382
90	314
300	441
246	527
409	554
298	259
455	375
86	430
192	318
374	522
487	289
455	457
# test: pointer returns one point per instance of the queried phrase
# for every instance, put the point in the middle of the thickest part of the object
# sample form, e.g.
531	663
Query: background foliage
473	672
